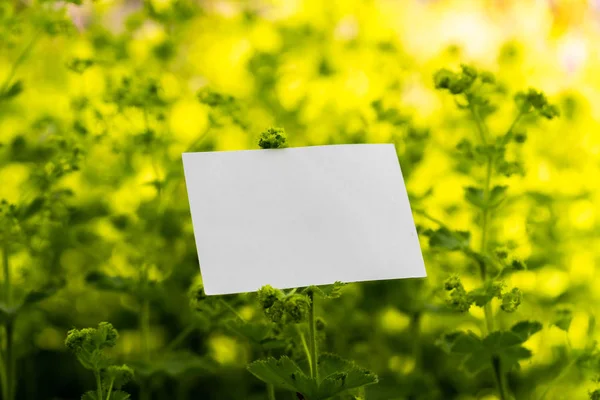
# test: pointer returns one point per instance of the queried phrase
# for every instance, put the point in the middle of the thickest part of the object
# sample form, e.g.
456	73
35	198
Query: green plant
477	93
89	346
328	374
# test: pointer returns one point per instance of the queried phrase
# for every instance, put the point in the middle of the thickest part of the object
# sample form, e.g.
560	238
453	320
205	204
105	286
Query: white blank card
300	216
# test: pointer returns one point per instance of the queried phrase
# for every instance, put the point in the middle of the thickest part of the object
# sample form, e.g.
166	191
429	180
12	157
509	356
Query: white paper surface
300	216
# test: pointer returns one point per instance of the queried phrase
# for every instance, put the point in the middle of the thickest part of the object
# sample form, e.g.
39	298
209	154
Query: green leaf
340	375
497	196
12	91
475	196
259	333
327	291
449	240
90	395
32	208
482	296
459	342
476	354
283	373
526	329
42	293
119	395
563	318
112	283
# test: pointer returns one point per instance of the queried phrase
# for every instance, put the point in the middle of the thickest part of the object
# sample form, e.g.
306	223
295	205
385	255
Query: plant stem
145	332
10	359
312	321
110	389
415	330
306	350
181	337
271	391
7	283
502	392
481	127
98	384
483	245
9	383
18	62
560	376
233	310
489	318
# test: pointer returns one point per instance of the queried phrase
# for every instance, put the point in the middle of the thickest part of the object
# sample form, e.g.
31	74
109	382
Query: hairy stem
312	321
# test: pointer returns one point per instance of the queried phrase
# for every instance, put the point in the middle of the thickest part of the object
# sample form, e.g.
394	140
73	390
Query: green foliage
338	375
89	346
476	354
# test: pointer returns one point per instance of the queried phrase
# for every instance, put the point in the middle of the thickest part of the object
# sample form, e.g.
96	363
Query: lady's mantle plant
500	350
292	315
89	345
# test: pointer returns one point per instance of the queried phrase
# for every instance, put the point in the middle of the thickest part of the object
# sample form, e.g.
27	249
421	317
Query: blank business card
300	216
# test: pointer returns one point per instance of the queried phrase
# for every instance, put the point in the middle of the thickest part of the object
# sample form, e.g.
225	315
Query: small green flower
268	295
273	138
296	308
511	300
456	83
533	99
452	282
459	300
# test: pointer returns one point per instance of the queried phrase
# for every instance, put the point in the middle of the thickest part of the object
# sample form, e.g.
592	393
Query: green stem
483	245
489	319
7	280
312	320
18	62
560	376
98	384
8	368
502	391
415	330
271	391
180	338
306	350
10	359
481	127
145	332
110	389
233	310
145	329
